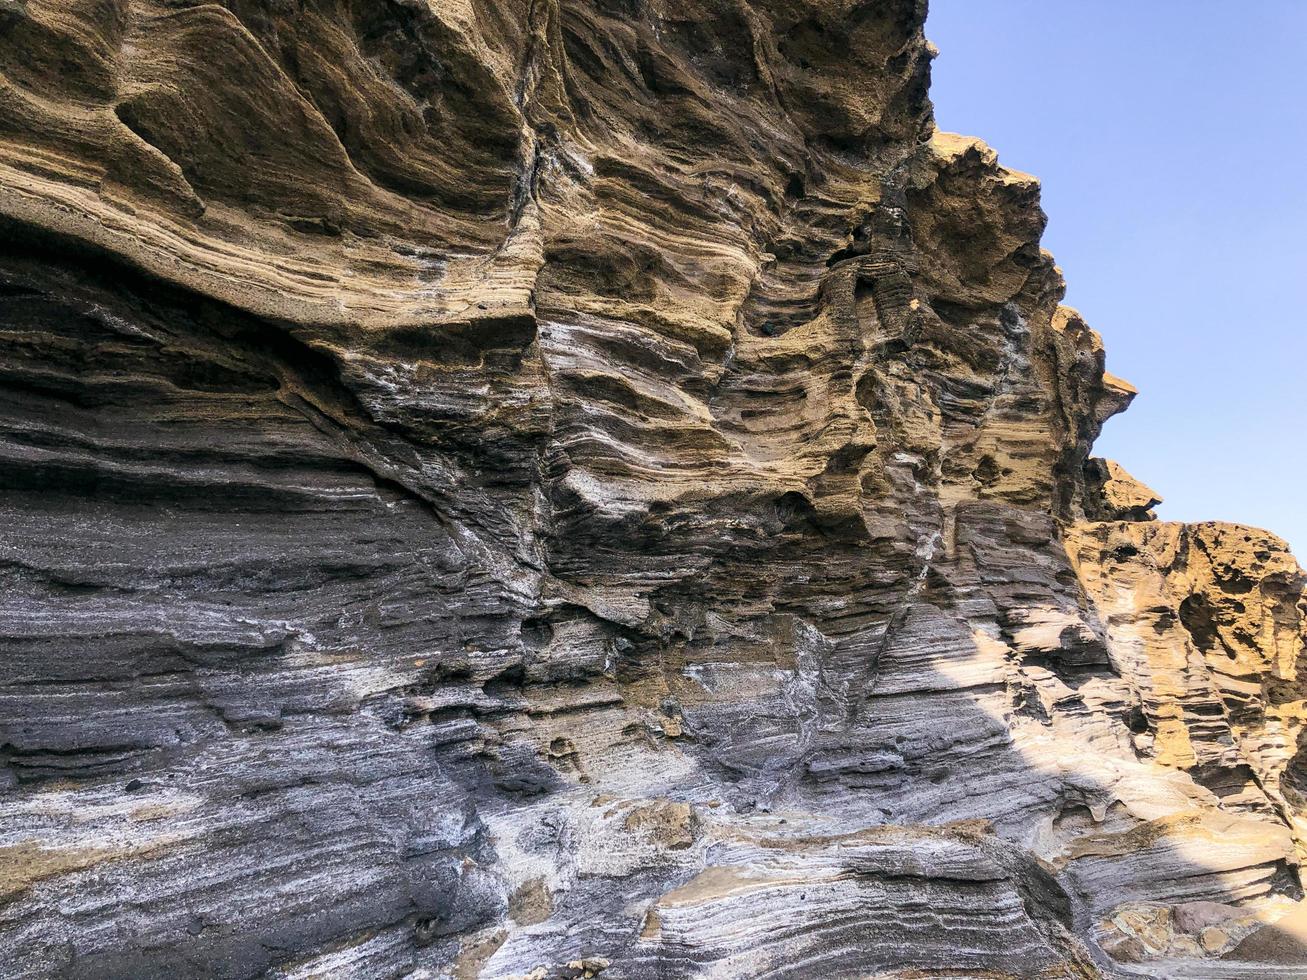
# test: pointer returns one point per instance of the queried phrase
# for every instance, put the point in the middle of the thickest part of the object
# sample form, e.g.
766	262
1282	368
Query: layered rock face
571	487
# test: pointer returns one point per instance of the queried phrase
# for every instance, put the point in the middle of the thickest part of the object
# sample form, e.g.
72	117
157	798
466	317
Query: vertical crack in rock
554	488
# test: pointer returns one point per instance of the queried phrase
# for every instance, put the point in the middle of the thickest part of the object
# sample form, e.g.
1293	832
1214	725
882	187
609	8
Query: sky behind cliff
1171	140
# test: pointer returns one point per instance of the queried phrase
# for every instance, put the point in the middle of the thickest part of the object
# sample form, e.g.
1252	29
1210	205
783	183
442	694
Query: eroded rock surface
573	487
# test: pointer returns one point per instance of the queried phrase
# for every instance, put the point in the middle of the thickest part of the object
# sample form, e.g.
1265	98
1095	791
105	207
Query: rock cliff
544	488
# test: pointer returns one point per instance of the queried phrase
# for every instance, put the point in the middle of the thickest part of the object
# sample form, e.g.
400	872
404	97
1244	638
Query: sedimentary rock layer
588	486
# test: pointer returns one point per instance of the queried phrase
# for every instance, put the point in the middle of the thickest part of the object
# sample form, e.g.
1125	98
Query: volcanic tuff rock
566	487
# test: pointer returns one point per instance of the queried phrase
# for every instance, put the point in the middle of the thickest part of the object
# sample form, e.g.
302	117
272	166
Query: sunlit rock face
571	487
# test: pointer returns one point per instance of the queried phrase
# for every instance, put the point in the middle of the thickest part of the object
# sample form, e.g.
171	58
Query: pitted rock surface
556	488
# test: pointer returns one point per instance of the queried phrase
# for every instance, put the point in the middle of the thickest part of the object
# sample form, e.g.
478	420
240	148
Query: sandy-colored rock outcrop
584	487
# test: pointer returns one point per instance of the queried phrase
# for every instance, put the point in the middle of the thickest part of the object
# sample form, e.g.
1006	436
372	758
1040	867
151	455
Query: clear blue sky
1171	140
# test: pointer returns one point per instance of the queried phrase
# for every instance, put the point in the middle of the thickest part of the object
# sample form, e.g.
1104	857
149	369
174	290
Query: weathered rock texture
544	487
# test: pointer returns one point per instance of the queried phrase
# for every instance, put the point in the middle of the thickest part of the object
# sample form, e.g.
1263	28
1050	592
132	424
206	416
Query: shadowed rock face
577	486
